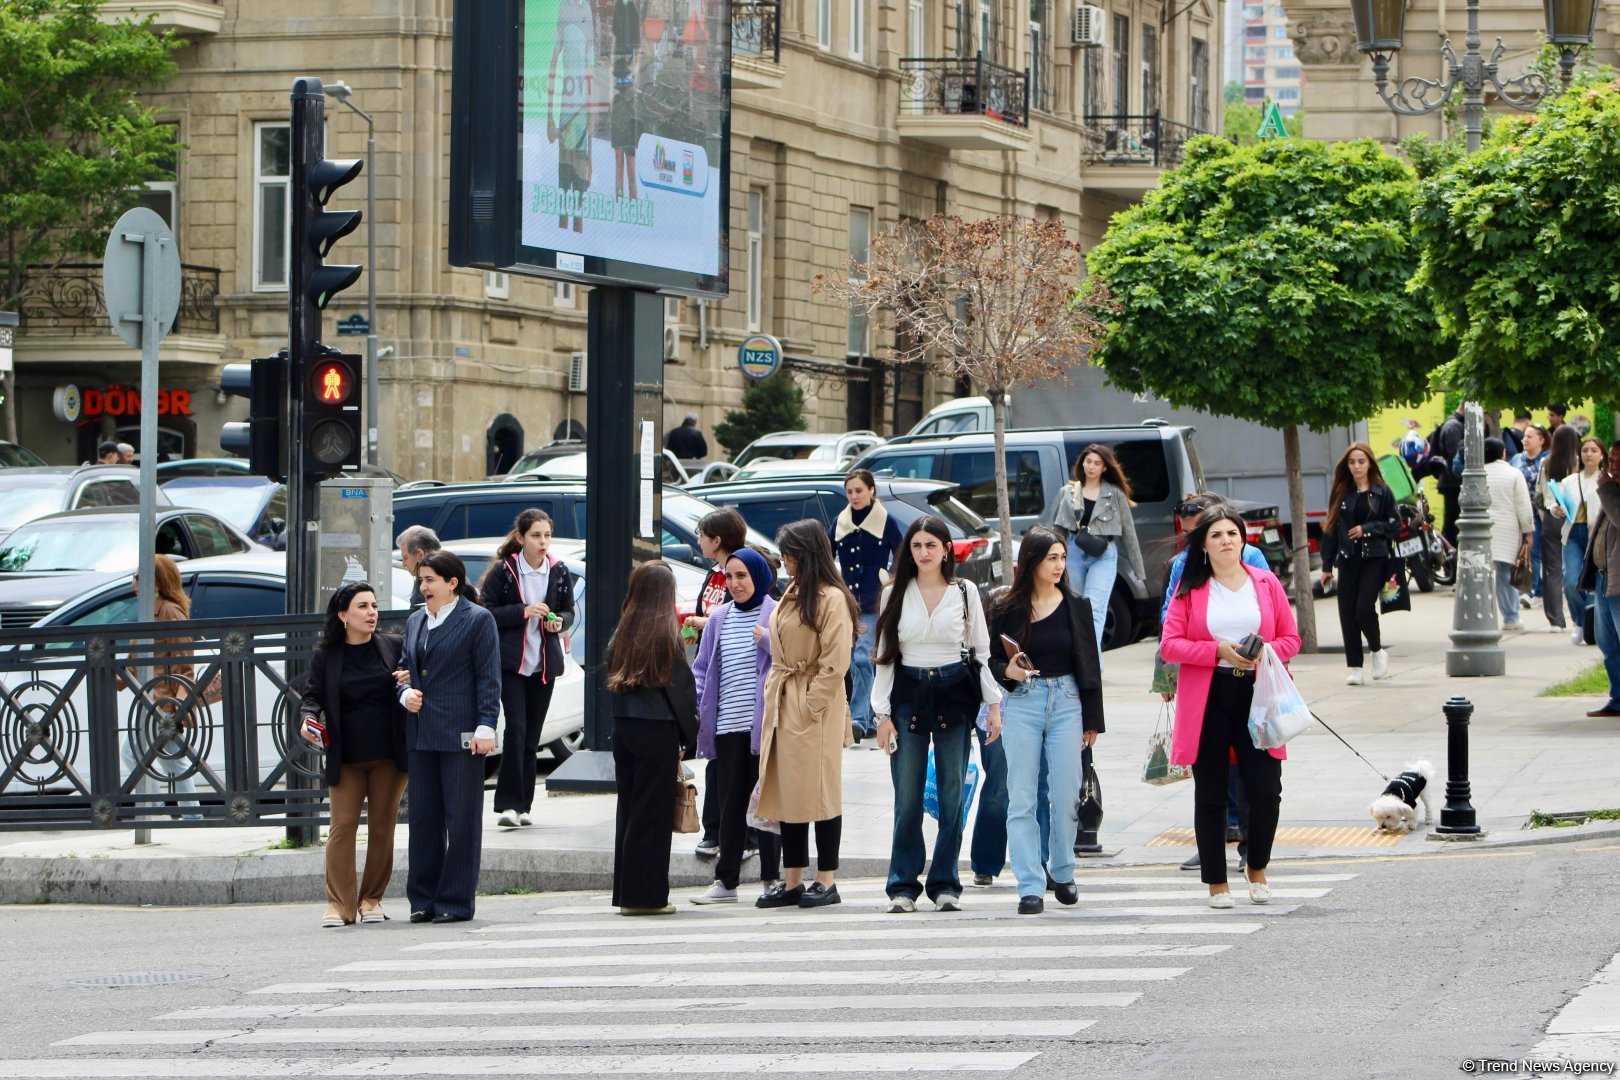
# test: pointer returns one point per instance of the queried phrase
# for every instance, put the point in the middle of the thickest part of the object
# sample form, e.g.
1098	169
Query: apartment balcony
756	44
64	317
1127	154
964	103
188	18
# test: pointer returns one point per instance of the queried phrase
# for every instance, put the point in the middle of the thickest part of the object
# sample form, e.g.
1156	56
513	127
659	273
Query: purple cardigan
706	669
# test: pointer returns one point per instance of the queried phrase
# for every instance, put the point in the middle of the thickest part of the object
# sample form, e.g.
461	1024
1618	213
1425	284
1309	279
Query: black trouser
1359	582
1225	728
711	801
525	700
646	756
796	843
1449	497
738	773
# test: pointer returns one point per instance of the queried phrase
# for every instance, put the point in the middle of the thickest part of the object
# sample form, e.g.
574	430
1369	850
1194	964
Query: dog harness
1407	786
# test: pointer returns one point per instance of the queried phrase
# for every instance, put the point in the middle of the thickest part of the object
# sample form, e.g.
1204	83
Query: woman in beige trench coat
806	724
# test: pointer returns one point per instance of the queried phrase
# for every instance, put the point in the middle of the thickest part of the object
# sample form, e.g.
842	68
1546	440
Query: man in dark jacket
1447	441
687	442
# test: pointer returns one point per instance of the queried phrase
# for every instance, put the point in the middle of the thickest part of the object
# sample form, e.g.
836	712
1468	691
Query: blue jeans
908	768
1507	597
860	674
1042	715
1093	578
1606	623
1574	553
988	853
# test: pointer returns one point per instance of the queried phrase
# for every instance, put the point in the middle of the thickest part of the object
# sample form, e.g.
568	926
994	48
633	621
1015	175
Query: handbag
946	706
1090	809
1090	543
686	808
1156	769
1523	579
1394	595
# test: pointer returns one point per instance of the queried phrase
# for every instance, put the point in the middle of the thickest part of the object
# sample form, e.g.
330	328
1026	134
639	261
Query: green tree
75	143
771	404
1521	252
1241	122
1269	283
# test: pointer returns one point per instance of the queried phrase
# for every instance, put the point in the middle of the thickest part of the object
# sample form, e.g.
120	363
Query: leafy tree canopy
1520	251
1268	282
772	404
1241	122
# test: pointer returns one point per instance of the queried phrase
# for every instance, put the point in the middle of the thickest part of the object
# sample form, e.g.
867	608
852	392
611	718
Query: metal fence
1135	140
964	86
67	300
756	29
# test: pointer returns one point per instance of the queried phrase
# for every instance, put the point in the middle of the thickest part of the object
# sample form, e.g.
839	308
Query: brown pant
380	785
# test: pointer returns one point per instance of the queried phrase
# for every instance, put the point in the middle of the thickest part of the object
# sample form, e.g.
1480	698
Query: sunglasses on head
1191	508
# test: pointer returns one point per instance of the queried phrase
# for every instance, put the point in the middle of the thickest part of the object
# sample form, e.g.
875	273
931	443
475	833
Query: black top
1375	511
1085	515
675	704
1085	663
1049	643
366	695
328	674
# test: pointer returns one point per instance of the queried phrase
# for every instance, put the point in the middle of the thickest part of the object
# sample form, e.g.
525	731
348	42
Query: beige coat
806	724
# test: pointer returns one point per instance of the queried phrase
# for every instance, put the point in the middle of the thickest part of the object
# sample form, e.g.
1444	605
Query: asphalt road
1366	967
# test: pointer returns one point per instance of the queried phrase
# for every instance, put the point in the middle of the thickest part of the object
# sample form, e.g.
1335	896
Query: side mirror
679	553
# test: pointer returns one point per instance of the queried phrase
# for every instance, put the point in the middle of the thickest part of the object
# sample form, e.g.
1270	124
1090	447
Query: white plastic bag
753	818
1278	713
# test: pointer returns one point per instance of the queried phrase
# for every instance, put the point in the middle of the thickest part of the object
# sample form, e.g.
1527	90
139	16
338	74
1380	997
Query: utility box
357	536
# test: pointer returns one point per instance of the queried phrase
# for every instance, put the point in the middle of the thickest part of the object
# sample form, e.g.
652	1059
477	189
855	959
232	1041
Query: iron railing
756	29
67	300
1134	140
93	734
964	86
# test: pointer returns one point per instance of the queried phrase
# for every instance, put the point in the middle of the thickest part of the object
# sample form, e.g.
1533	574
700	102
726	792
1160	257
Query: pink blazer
1185	640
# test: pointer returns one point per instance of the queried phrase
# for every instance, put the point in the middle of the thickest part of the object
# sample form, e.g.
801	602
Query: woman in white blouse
932	674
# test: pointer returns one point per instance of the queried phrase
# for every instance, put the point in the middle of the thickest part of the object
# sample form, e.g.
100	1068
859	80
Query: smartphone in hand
1015	651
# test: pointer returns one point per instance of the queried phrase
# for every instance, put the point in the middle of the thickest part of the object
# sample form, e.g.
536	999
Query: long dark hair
905	572
814	569
1344	483
1111	469
1019	599
514	540
332	634
1198	570
645	656
1565	455
447	566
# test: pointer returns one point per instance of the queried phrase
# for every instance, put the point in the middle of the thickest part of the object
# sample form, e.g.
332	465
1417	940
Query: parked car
171	470
572	467
256	505
13	456
833	451
532	460
769	504
29	493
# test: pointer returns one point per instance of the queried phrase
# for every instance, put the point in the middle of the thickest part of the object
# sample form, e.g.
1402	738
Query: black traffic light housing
332	416
261	438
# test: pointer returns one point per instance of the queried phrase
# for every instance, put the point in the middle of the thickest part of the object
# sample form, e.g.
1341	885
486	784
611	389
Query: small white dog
1396	809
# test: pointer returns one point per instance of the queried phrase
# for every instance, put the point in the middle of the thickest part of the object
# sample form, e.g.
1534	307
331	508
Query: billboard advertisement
624	131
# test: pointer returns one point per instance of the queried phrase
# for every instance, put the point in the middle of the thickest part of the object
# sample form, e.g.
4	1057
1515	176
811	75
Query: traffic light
264	383
315	229
332	416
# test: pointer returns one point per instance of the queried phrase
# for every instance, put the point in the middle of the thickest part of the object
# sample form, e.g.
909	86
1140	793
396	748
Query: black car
768	504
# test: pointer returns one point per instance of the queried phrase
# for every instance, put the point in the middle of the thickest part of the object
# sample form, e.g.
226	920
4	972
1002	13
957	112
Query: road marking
851	1030
519	1065
723	921
730	979
855	1002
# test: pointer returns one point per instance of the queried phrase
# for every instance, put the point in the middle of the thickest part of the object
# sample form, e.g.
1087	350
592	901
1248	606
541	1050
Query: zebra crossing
576	990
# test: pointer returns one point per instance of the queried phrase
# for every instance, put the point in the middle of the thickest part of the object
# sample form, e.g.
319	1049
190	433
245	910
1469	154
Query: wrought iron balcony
1144	141
756	30
67	300
964	103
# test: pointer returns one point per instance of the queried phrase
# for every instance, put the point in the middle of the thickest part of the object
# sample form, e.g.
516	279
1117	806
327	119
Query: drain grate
145	978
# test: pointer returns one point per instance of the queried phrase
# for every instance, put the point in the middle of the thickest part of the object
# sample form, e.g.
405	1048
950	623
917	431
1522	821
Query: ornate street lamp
1380	32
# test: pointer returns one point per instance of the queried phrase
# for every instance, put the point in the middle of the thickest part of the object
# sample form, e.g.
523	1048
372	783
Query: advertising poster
623	126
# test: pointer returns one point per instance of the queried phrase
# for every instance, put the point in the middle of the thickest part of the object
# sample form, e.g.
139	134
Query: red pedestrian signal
331	383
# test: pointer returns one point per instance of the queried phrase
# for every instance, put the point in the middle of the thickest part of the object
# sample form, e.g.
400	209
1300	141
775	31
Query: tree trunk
1304	598
998	403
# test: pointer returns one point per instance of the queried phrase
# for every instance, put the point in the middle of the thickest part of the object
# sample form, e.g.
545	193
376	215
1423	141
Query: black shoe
1051	886
446	917
1233	834
819	895
780	896
1067	894
421	916
983	880
707	848
1031	905
1190	864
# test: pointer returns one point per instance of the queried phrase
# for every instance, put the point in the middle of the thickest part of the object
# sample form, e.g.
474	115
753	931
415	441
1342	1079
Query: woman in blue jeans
865	539
1043	651
933	647
1094	516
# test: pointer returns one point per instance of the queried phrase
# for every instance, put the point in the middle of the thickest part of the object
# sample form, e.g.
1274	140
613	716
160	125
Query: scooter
1430	559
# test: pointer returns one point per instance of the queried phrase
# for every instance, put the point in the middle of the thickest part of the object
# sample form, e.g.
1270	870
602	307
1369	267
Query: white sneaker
716	894
525	819
1380	664
1221	901
1577	637
947	902
508	819
899	905
1355	678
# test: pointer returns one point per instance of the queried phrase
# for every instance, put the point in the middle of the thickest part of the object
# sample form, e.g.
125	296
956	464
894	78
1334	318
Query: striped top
739	673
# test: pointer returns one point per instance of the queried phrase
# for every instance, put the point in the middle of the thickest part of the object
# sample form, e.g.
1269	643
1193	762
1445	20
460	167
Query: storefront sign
71	404
66	404
759	356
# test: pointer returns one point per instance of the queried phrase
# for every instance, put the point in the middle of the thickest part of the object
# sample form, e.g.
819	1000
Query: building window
1288	93
756	258
916	28
1150	69
1280	33
672	310
272	165
986	42
1091	77
860	249
1122	65
497	286
1285	73
563	295
857	29
162	196
824	24
1254	52
1200	85
1283	52
1250	31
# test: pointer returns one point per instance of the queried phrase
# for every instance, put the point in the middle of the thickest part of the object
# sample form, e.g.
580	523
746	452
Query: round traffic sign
137	233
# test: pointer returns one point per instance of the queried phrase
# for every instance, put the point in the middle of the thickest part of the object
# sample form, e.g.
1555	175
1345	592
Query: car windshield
787	451
685	512
70	545
954	511
237	503
14	456
26	498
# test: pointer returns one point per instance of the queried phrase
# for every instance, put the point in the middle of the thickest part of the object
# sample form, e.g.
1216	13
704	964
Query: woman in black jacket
351	694
1356	538
1054	709
654	701
532	598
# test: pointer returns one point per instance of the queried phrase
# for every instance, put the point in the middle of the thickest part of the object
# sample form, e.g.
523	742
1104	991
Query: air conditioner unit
672	343
576	373
1087	31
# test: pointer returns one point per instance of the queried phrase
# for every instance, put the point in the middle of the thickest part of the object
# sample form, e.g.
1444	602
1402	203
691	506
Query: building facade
1262	54
848	116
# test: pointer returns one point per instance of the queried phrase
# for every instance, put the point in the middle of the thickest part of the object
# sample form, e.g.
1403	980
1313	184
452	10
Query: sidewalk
1526	753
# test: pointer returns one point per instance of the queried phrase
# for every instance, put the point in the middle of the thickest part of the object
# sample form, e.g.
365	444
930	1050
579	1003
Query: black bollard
1457	817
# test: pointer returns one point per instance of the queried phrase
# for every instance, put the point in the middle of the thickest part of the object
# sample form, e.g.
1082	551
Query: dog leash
1352	749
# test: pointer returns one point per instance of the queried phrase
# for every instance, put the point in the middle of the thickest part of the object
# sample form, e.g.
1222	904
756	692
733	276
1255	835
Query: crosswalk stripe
728	1005
731	978
851	1031
186	1068
725	920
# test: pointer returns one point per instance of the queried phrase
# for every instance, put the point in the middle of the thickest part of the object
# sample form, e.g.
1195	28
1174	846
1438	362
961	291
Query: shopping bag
970	788
1165	676
753	818
1278	713
1157	769
1395	595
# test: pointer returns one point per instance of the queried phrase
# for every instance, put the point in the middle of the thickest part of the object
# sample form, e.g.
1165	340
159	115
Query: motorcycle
1430	558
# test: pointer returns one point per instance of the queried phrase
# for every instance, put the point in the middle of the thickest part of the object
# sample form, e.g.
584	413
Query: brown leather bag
686	807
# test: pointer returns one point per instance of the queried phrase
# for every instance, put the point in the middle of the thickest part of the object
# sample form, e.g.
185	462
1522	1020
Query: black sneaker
983	881
1067	894
1233	834
819	895
707	848
780	896
1031	905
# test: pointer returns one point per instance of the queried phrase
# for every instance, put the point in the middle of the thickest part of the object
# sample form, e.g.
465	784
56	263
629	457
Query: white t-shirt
1233	614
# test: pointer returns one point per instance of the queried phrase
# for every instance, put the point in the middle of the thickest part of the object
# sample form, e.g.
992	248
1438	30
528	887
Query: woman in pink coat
1219	603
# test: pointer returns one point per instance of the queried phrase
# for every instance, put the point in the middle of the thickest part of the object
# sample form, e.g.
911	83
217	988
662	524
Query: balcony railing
963	86
756	31
68	300
1135	140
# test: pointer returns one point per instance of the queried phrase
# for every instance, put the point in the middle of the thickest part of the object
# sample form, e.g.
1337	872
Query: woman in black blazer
351	695
453	653
654	725
532	599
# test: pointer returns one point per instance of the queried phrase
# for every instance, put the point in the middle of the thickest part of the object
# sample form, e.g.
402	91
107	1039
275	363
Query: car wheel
1119	628
562	749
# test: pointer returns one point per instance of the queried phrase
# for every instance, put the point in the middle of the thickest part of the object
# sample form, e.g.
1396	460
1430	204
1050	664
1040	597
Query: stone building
848	116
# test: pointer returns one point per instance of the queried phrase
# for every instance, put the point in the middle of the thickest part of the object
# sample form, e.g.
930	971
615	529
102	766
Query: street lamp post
1380	33
341	93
